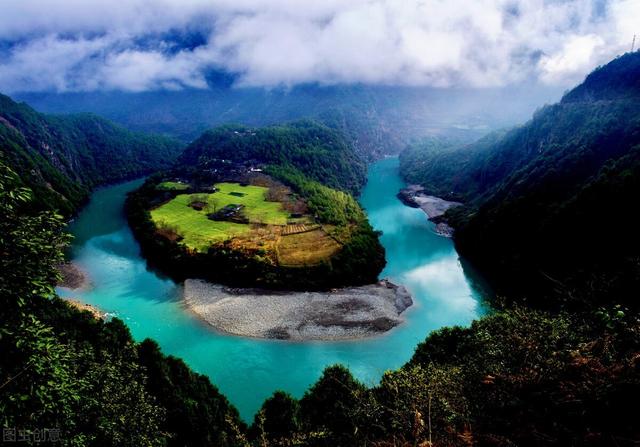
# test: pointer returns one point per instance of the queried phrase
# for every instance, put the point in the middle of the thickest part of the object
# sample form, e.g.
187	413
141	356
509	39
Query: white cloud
87	45
443	281
573	58
144	70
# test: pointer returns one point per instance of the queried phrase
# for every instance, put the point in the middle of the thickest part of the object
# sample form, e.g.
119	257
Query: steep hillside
550	204
617	80
85	379
318	151
440	164
62	157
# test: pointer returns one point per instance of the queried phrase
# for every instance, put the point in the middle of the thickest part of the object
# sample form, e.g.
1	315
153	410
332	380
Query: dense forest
61	158
550	212
319	152
82	378
518	377
312	159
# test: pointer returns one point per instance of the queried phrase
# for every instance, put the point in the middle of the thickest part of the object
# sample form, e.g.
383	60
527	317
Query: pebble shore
434	207
348	313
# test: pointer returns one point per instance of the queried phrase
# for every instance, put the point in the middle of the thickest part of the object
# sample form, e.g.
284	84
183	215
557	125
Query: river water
249	370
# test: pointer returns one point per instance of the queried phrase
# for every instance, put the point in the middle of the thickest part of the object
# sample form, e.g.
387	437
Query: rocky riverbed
347	313
435	207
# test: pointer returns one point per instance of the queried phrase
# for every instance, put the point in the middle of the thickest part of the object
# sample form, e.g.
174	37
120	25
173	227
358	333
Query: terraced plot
306	248
270	228
298	228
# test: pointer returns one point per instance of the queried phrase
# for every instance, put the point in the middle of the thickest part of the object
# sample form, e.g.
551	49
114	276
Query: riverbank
348	313
434	207
72	276
97	313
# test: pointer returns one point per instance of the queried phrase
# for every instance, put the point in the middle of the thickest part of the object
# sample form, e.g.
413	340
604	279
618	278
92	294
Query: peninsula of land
434	207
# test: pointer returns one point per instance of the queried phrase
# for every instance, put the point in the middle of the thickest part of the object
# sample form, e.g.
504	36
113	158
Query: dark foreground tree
67	377
277	421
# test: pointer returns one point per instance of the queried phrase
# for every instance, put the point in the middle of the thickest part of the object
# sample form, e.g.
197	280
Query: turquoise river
248	370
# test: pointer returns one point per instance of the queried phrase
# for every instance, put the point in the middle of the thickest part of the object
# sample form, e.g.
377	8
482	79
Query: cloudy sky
138	45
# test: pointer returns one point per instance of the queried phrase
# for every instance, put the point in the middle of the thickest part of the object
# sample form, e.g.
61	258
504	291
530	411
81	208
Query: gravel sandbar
353	312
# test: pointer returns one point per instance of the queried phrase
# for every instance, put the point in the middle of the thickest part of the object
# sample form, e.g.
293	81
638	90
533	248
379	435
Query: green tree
277	420
421	404
330	404
45	382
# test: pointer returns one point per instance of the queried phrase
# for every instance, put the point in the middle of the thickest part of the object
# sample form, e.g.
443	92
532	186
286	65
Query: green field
256	208
199	232
173	186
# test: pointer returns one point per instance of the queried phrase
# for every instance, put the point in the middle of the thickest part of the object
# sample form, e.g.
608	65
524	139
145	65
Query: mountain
550	204
515	377
375	120
62	157
322	153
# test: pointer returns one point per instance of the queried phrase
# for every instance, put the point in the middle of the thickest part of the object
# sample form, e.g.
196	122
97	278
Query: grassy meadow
173	186
295	242
257	209
199	232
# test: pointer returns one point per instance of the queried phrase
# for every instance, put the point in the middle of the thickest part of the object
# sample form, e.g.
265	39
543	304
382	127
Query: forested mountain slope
550	204
82	379
320	152
62	157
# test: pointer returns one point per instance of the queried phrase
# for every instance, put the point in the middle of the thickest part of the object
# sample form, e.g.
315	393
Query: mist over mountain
383	73
169	44
377	120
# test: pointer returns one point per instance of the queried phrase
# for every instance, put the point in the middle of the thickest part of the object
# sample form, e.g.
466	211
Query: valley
549	186
286	281
62	158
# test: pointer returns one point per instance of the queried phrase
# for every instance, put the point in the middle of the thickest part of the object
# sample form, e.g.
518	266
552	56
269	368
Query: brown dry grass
308	248
261	239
